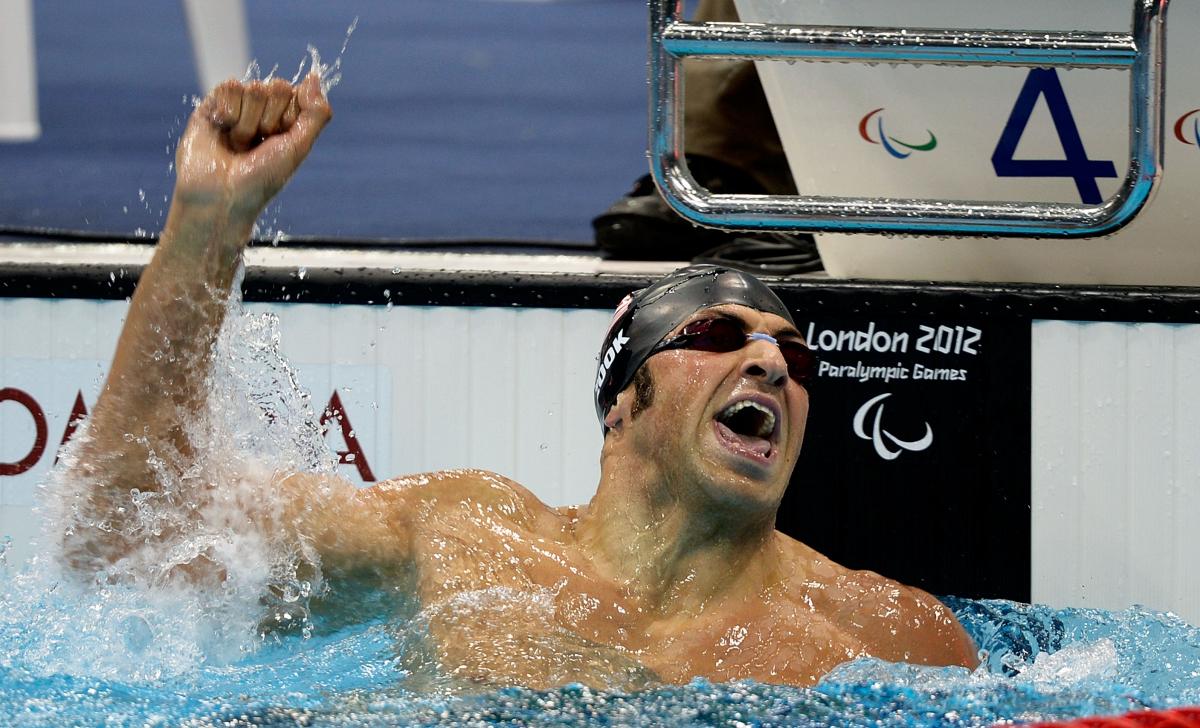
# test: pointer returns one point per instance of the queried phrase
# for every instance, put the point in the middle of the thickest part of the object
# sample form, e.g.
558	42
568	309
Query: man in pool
673	570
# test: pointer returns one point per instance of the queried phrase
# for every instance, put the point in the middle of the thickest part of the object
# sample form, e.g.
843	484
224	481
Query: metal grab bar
1143	53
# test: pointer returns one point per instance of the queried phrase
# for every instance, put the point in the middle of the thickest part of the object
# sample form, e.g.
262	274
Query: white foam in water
1074	664
1076	667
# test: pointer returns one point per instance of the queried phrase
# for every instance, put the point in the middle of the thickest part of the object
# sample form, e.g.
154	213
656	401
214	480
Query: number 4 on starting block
1044	82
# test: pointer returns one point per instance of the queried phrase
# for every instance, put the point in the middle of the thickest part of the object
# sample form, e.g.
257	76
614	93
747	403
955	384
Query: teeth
765	427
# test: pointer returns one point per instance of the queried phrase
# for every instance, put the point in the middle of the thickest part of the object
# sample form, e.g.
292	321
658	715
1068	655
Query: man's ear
618	414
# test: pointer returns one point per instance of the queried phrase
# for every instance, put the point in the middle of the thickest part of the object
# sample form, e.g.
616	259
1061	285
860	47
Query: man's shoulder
898	621
861	589
470	490
855	584
915	624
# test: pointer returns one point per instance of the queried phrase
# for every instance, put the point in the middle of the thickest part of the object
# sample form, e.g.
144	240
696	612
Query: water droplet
136	633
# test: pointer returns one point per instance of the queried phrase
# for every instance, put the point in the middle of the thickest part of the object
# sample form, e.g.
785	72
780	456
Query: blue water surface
69	656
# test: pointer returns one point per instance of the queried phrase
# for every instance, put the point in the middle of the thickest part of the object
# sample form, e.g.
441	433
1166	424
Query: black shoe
641	226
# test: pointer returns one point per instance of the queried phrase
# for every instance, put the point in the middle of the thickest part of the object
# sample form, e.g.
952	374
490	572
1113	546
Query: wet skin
673	569
515	594
674	566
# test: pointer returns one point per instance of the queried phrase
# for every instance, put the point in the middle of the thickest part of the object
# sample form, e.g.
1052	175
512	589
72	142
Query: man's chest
524	608
496	567
773	643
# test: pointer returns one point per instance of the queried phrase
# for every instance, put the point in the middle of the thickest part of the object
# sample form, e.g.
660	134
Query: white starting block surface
220	44
972	133
18	77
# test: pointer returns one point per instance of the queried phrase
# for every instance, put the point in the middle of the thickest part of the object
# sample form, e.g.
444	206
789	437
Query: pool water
72	656
273	644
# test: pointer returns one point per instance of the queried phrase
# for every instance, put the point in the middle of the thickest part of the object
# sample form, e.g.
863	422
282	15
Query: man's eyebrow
783	331
729	317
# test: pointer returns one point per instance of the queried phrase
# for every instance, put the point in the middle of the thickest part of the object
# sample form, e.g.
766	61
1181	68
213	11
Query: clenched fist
244	141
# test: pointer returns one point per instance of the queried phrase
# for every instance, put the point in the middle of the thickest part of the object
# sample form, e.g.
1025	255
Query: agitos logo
881	437
864	126
1194	129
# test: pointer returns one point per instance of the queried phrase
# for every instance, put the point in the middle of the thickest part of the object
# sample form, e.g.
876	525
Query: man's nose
764	361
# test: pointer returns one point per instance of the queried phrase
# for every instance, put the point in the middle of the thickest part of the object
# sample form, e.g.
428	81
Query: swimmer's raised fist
245	140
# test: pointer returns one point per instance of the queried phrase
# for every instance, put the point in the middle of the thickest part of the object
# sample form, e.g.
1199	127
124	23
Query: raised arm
241	146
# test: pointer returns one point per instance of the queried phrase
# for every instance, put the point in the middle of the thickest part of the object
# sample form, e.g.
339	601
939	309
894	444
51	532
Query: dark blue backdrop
454	118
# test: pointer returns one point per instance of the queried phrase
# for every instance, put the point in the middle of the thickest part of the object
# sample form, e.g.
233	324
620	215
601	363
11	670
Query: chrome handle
1143	53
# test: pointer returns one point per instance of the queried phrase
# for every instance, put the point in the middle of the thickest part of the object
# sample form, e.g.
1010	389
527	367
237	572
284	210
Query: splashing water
217	568
331	75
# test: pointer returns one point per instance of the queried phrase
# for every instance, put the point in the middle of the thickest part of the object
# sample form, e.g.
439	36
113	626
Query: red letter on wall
353	454
39	439
78	414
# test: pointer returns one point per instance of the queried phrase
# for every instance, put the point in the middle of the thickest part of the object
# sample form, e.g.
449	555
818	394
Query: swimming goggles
723	335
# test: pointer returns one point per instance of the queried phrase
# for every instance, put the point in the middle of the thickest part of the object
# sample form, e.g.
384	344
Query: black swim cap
646	316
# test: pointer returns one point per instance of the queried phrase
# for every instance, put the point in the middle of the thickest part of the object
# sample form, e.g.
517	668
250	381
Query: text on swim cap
610	355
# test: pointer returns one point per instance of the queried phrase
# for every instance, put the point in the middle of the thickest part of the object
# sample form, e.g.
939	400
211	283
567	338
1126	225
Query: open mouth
748	427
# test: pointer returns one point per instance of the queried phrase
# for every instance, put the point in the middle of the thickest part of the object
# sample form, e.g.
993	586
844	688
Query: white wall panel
493	340
1185	493
539	392
582	331
402	345
443	388
1115	473
1151	455
424	388
1104	499
18	72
